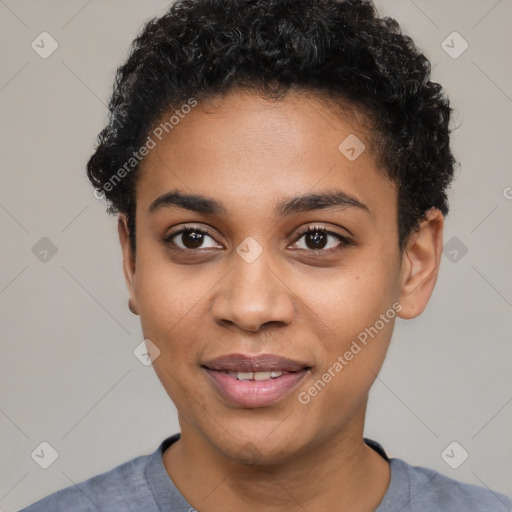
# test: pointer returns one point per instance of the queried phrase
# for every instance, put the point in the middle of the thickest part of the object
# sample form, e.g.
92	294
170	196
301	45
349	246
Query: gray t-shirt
143	485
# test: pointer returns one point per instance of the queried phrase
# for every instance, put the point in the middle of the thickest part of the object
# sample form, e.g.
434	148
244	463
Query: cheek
169	299
351	302
345	317
352	357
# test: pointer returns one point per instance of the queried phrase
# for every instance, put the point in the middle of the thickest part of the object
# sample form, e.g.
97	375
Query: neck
341	473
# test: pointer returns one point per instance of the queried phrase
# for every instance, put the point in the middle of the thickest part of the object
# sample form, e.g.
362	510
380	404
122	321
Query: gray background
68	375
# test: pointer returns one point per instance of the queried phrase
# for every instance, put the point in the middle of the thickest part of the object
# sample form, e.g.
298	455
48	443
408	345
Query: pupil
315	235
196	239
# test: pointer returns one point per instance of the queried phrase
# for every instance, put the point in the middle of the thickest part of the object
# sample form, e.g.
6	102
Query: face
270	336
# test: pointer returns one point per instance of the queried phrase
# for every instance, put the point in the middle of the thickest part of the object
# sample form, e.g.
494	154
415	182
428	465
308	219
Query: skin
249	153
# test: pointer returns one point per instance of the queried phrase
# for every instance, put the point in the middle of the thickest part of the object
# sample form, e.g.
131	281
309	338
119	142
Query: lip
255	393
259	363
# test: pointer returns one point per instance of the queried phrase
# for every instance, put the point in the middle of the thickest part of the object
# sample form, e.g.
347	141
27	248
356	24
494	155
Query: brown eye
316	239
189	239
320	239
192	239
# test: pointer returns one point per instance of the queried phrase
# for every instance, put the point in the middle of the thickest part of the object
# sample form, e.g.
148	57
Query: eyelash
344	241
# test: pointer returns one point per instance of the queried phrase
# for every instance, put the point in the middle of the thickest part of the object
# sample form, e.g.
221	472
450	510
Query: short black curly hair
335	48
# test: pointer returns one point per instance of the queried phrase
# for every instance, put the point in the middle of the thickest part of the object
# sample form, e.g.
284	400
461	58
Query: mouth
262	363
255	381
256	375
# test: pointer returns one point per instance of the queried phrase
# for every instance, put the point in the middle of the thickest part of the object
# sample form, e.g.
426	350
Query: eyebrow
299	204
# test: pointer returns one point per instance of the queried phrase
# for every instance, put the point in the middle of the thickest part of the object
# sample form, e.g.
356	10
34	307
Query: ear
128	261
420	264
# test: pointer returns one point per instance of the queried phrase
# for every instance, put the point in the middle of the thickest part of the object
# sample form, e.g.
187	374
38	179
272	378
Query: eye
317	238
189	238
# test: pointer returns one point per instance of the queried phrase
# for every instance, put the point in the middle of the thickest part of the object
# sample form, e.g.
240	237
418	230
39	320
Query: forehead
247	150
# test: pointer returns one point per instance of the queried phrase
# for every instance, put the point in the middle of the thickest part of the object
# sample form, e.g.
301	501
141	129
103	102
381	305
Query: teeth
255	375
244	375
261	375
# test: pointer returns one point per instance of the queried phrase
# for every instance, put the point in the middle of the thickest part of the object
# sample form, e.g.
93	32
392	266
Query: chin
259	446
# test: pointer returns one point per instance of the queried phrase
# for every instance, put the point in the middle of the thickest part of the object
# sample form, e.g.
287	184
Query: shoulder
428	490
117	490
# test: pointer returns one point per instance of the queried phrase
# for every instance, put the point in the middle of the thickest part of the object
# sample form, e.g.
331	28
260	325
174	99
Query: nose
253	296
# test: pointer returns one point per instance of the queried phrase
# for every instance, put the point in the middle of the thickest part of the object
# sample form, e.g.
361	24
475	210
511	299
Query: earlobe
128	262
132	308
420	264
